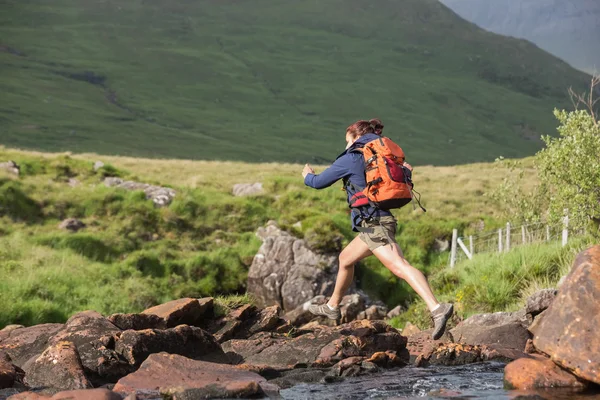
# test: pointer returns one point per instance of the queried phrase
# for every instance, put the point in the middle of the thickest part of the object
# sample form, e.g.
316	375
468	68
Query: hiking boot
440	317
325	311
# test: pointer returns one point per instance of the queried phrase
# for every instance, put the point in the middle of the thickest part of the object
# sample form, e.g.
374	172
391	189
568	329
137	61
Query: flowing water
474	381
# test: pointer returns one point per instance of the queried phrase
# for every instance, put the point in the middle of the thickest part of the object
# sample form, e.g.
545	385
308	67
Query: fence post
523	233
453	248
565	232
500	240
471	244
507	249
547	233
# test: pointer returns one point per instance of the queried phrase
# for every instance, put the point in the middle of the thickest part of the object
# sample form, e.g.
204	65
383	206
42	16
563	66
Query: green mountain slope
269	79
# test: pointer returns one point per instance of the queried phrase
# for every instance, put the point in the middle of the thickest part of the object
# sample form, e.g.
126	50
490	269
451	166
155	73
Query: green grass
269	80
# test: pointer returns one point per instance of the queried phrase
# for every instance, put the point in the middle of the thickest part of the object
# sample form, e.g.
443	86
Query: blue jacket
351	166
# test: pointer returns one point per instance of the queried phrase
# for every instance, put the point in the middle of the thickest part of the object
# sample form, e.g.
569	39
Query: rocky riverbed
184	350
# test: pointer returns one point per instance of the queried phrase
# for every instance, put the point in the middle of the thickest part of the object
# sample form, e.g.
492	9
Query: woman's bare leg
393	259
353	253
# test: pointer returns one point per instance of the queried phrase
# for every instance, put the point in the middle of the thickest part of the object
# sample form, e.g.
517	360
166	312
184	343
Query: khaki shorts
384	232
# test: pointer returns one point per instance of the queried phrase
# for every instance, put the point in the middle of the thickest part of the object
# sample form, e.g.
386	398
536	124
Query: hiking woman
376	227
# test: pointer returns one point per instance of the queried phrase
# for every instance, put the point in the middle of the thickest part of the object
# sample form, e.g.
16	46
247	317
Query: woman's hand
307	170
407	165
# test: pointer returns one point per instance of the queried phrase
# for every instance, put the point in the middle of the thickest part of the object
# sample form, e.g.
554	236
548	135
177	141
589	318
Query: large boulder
538	372
501	328
22	344
58	367
160	196
286	272
568	330
174	375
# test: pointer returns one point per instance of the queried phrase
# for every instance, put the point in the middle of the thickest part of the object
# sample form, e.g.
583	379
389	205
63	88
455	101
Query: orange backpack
389	182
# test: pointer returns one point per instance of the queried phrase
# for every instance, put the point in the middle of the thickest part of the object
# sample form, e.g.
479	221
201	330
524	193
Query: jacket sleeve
338	170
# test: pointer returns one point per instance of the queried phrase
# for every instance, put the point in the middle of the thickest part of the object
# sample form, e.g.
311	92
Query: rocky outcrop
71	224
25	343
508	329
538	372
248	189
11	167
568	329
92	394
160	196
188	378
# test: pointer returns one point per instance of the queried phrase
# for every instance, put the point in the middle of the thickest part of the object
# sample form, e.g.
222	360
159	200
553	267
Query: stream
473	381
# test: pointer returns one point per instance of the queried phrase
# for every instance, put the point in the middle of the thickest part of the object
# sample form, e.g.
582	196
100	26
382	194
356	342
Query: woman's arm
339	169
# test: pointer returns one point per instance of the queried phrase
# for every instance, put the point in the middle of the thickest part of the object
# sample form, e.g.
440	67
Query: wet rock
178	376
90	332
11	167
160	196
91	394
193	342
8	328
387	359
369	367
344	364
137	322
498	352
507	329
420	347
539	302
72	224
568	330
286	272
394	312
410	329
301	375
455	354
247	189
536	372
185	311
21	344
58	367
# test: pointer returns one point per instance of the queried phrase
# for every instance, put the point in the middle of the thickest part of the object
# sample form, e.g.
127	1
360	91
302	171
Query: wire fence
504	239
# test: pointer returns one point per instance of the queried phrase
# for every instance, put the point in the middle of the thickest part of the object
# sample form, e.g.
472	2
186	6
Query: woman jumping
376	227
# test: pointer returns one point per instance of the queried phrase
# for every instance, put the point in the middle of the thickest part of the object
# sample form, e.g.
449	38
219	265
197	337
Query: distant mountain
270	80
569	29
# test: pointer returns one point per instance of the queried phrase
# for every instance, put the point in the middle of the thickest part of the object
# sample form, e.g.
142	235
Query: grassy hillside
269	80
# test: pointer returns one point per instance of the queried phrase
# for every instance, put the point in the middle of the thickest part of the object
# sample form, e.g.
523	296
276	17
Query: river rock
247	189
91	394
24	343
58	367
195	343
286	272
137	322
568	330
174	375
11	167
72	224
183	311
160	196
507	329
455	354
537	372
539	301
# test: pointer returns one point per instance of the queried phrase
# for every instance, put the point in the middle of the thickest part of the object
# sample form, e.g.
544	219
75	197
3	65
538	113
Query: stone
507	329
22	344
568	330
300	375
72	224
455	354
8	328
160	196
410	329
183	311
8	373
287	273
242	313
420	347
247	189
92	335
137	322
91	394
174	375
495	352
227	331
300	315
375	313
98	165
350	306
265	320
441	245
11	167
538	372
539	301
394	312
193	342
58	367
